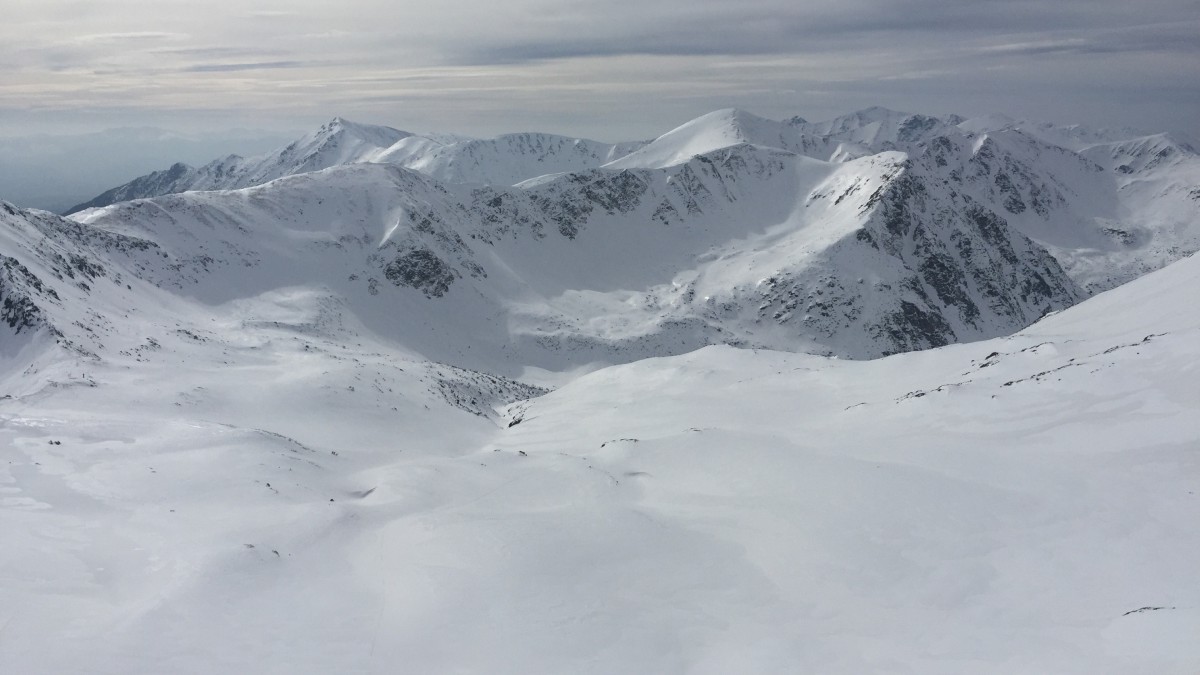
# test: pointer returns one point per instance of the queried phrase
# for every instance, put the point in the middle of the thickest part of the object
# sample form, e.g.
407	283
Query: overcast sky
610	70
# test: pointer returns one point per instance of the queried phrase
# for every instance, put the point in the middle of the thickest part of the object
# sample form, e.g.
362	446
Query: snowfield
268	500
263	431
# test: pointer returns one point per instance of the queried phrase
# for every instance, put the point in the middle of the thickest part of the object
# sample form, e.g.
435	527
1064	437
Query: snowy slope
714	131
508	159
255	481
858	134
77	295
1021	505
1158	189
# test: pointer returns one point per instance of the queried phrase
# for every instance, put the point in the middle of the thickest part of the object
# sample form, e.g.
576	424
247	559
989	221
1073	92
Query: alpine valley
885	393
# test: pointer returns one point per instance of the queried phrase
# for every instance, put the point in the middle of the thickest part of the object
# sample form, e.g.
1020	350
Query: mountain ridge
872	233
1106	222
540	259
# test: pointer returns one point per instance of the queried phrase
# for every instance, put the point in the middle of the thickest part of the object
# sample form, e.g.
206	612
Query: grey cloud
611	68
1178	38
213	52
238	67
142	36
771	27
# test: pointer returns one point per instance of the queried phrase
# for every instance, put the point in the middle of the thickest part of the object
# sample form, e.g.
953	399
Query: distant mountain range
504	160
873	233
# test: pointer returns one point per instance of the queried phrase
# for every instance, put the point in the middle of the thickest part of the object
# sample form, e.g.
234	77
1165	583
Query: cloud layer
613	69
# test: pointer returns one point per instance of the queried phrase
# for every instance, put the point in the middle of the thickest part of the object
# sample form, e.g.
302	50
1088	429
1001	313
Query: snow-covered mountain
503	160
508	159
1105	221
75	294
336	143
745	245
848	137
540	404
230	470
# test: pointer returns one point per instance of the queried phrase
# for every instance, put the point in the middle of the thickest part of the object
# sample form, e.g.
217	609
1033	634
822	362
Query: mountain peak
377	135
736	116
712	131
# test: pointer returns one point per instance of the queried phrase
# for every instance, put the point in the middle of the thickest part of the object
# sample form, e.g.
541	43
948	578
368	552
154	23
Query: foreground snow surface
265	502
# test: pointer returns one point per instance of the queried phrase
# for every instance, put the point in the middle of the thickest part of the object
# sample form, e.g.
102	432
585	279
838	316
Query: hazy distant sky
610	69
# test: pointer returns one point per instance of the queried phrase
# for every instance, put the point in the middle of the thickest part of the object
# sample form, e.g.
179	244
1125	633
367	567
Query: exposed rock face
423	270
18	289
